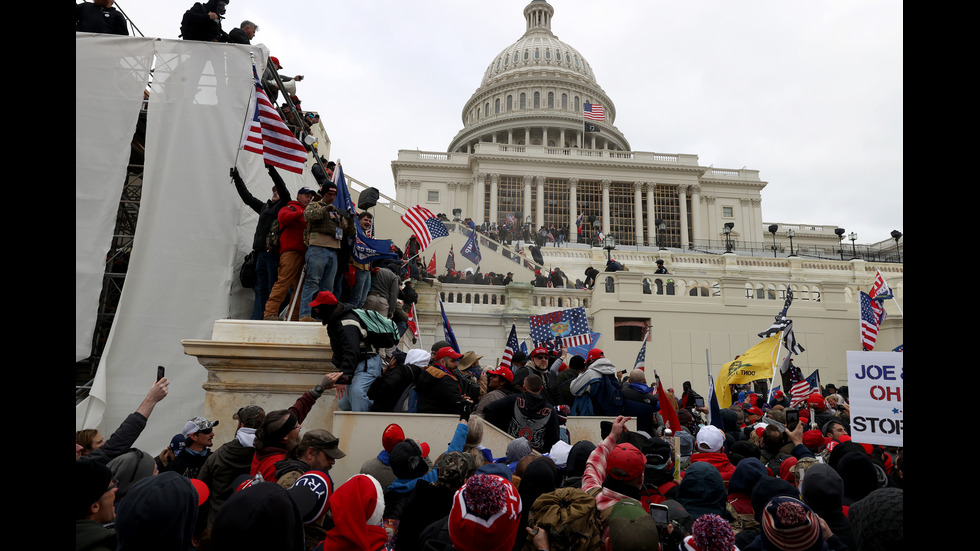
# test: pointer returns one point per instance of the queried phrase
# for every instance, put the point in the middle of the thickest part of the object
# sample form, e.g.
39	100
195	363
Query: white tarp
110	76
192	229
875	385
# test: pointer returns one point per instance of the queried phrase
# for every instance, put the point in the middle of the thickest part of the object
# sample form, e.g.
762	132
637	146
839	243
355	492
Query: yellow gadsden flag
755	364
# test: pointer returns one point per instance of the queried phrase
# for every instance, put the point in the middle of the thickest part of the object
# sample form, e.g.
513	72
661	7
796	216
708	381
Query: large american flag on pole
268	136
870	321
594	112
425	225
510	348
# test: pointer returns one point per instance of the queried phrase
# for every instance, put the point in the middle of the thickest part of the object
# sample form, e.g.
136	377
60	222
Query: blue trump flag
471	250
448	330
343	200
583	350
366	249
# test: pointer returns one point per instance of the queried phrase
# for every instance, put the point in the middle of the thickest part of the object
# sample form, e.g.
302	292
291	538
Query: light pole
773	228
609	243
896	235
661	227
791	234
840	238
728	236
853	237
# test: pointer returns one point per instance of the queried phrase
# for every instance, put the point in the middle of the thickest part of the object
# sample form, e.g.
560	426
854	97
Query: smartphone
792	419
160	372
660	515
699	401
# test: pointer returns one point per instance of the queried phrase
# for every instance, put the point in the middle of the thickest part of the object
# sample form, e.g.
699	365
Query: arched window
551	100
523	100
510	102
575	104
564	101
537	100
496	105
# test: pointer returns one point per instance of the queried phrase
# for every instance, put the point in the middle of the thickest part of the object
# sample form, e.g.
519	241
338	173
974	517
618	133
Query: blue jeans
267	270
355	399
321	270
361	287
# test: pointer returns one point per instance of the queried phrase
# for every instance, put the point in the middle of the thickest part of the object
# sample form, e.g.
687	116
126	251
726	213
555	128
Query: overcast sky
808	93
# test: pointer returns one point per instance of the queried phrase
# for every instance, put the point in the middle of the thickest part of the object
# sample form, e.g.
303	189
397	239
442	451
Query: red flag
268	136
413	323
667	408
431	268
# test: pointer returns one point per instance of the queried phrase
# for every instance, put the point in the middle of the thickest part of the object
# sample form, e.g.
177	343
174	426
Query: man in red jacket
709	448
291	252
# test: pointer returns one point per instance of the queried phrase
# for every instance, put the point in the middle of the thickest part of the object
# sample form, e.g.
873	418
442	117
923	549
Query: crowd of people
755	479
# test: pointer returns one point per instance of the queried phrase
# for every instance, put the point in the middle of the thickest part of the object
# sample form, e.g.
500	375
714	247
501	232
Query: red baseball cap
594	354
392	435
504	372
625	462
539	351
448	352
323	297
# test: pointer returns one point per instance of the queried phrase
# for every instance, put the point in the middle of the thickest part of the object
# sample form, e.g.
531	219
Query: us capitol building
524	151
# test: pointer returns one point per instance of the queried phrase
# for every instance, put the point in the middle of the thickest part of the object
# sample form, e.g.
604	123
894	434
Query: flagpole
897	305
774	364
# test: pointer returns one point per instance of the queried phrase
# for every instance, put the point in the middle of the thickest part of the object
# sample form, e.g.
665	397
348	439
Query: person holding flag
362	270
327	228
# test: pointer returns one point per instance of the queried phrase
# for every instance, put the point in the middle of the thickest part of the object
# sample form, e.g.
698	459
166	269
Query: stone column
415	184
756	211
527	135
605	204
527	199
544	136
749	230
572	208
452	188
714	224
494	181
478	192
510	136
561	139
651	215
539	208
638	211
682	197
696	211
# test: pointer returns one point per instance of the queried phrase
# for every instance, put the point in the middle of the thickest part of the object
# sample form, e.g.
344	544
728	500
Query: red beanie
485	515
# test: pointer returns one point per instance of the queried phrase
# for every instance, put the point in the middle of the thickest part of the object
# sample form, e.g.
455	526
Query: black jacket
268	211
197	25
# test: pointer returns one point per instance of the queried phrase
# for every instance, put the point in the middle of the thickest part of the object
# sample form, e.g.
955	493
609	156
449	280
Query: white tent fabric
110	75
188	237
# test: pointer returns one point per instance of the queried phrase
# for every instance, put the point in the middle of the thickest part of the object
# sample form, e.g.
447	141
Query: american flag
510	348
869	322
268	136
878	294
413	323
799	388
450	260
594	112
641	357
431	268
425	225
571	325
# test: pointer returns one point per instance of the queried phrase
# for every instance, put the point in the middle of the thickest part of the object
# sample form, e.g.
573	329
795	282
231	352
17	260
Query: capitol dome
534	93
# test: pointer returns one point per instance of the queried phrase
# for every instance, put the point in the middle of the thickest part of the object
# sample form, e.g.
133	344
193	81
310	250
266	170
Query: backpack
607	396
381	332
248	276
275	232
571	518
